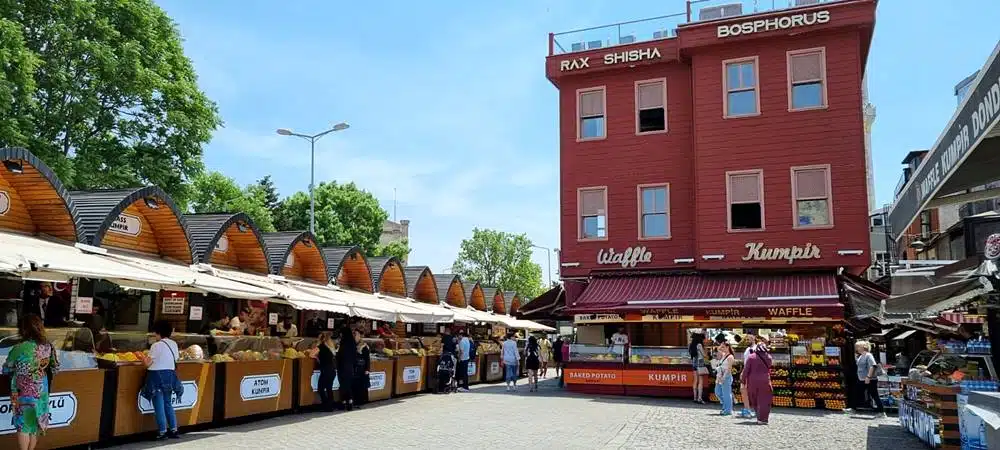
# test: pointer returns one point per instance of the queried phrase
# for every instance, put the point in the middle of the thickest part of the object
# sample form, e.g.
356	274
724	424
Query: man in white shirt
287	328
511	361
239	324
462	369
747	411
620	338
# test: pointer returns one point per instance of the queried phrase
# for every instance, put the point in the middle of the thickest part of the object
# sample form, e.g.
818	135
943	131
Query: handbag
50	373
702	370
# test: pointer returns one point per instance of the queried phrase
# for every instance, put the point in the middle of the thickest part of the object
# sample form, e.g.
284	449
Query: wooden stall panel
135	415
75	406
381	376
258	387
46	208
355	273
240	250
309	384
494	370
392	281
410	374
14	214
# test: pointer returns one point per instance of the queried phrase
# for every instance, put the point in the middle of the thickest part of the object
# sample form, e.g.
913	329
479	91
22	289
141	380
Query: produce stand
306	371
660	371
252	377
489	356
595	369
381	375
75	397
476	369
930	412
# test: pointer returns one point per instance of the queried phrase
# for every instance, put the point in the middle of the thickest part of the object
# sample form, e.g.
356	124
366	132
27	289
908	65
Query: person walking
557	356
697	352
162	383
511	362
532	362
868	372
464	355
747	411
362	371
327	364
544	356
31	365
347	358
756	376
724	378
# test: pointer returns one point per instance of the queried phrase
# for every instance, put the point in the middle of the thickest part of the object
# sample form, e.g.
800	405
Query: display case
596	353
297	347
407	347
431	345
247	348
674	356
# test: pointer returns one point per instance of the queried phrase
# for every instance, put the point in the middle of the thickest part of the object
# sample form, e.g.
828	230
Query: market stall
382	375
252	376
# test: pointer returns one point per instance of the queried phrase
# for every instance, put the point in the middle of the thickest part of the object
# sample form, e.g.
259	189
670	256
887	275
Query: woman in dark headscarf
347	357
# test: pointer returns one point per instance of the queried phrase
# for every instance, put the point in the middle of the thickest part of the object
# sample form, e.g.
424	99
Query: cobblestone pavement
551	418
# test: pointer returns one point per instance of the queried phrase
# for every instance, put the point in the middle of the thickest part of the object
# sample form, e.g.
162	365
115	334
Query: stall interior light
13	166
242	227
712	257
850	252
151	203
683	260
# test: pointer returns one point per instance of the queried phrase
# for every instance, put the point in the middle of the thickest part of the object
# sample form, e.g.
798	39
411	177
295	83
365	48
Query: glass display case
73	346
487	347
408	346
596	353
247	348
297	347
431	344
660	355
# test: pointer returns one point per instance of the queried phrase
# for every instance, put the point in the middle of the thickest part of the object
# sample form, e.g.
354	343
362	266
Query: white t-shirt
234	324
510	354
619	339
291	331
164	355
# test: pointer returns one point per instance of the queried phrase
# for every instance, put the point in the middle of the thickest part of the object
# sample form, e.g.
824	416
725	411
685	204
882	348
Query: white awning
56	261
440	313
462	315
297	296
479	316
410	311
197	281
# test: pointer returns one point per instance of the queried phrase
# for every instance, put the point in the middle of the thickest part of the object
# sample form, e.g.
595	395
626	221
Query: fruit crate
834	404
782	401
805	403
713	398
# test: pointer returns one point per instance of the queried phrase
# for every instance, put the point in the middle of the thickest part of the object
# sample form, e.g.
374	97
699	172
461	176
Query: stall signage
272	318
173	305
756	251
290	261
4	203
472	368
774	23
598	318
331	323
84	305
979	114
62	412
257	387
376	381
222	245
992	250
747	312
494	367
411	374
186	401
666	318
593	376
657	378
126	224
195	313
628	258
611	59
314	381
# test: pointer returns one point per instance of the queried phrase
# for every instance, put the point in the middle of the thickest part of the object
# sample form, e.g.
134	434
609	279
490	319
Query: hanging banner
84	305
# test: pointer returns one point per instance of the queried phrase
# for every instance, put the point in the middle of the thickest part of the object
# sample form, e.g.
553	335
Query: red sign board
668	378
594	376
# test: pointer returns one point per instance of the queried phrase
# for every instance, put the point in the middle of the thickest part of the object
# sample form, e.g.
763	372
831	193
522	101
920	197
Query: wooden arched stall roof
294	254
228	240
494	299
450	289
420	281
388	275
475	297
349	268
33	199
512	301
144	220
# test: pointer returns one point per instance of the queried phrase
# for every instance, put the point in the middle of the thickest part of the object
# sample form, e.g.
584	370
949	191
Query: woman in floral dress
29	364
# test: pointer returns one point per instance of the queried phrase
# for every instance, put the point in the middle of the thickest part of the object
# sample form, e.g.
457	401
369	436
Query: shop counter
931	412
410	370
308	380
476	369
595	377
662	380
134	414
492	366
254	387
431	379
381	376
75	402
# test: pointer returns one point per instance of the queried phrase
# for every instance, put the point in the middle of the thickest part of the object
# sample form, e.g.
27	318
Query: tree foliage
345	215
214	192
102	92
500	259
399	249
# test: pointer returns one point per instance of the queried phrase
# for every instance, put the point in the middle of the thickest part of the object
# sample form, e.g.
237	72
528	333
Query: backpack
472	349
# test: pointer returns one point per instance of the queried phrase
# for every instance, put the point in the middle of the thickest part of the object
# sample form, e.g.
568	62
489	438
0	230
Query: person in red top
564	352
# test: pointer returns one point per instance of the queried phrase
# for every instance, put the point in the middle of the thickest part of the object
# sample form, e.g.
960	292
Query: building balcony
665	27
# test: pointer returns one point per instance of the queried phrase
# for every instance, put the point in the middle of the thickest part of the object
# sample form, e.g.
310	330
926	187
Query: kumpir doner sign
968	127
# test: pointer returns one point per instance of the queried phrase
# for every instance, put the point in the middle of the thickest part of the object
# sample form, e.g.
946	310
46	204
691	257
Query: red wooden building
714	162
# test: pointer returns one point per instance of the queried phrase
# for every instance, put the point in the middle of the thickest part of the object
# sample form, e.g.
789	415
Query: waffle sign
630	257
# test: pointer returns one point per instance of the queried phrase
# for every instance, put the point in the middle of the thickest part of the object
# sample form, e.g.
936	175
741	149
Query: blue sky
449	105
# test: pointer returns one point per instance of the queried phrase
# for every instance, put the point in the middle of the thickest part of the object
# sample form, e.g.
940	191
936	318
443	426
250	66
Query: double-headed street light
312	165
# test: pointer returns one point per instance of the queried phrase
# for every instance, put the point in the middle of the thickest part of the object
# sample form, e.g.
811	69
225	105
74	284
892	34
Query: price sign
272	319
195	313
85	305
173	305
331	323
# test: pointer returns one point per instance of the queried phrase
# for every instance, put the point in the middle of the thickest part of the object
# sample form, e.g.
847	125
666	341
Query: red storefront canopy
717	296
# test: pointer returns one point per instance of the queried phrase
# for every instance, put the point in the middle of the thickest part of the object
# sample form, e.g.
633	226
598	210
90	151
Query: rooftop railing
665	27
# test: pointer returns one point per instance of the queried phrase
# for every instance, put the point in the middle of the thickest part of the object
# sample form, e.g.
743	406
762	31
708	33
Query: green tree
345	215
214	192
399	249
112	100
270	192
500	259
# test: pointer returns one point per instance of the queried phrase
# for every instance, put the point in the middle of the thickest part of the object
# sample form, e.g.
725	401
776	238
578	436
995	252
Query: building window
590	105
878	221
811	192
745	195
741	87
593	213
925	223
807	79
651	106
654	211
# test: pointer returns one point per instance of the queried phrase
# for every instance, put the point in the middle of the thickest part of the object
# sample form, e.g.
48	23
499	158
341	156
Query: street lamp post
549	250
312	164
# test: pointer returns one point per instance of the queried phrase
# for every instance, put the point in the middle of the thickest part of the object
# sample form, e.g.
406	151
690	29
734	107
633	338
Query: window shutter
592	203
592	104
651	95
810	183
807	67
744	188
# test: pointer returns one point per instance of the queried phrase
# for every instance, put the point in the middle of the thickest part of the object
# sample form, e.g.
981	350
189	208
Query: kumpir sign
979	114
